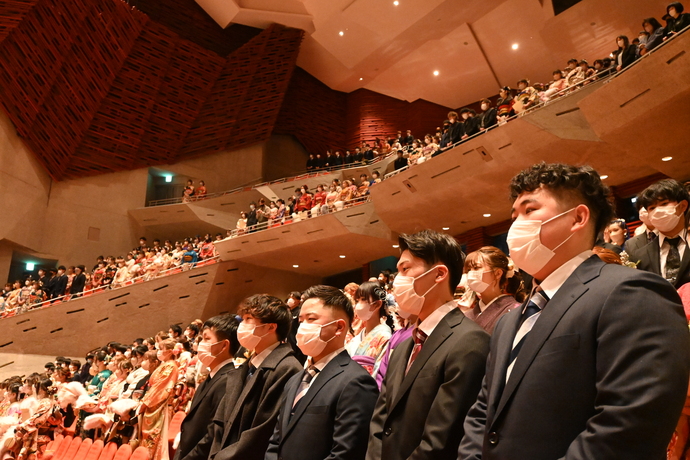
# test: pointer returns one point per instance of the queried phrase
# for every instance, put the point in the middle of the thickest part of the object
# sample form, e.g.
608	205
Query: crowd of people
142	263
192	193
305	203
549	353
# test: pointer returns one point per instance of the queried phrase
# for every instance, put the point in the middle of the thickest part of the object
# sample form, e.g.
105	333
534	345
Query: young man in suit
326	408
433	378
247	415
645	237
216	351
595	364
294	302
668	255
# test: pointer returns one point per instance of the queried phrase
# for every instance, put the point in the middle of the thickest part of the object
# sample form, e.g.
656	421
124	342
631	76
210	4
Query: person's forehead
314	306
406	257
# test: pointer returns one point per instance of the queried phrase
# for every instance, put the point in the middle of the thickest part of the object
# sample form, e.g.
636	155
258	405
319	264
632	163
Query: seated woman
429	146
102	373
617	233
208	249
319	200
346	194
33	435
504	105
492	276
331	198
526	97
626	53
656	35
201	190
242	224
558	84
282	212
188	192
368	345
303	204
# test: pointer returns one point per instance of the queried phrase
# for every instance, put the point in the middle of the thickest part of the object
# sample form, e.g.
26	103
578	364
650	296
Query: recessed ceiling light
436	73
360	78
487	215
515	46
396	246
342	257
396	3
605	176
295	266
667	159
341	33
446	228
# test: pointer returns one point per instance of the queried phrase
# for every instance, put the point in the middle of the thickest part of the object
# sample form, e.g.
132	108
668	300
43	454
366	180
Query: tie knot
310	373
419	336
674	241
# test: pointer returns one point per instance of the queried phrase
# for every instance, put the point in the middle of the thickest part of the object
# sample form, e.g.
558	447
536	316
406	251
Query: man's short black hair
50	366
295	295
433	248
139	341
579	182
269	310
665	189
176	328
225	328
332	298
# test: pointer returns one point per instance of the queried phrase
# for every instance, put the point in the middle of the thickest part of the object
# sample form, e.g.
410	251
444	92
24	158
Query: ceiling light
436	73
341	33
168	178
667	159
605	176
486	215
295	266
30	266
360	78
633	200
396	246
342	257
396	3
446	228
515	46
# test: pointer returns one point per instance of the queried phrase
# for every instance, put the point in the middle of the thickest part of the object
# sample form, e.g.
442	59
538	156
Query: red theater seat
95	451
141	453
71	451
123	453
83	449
108	451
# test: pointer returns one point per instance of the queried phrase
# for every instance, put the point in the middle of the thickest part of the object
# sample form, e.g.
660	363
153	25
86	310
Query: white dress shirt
259	358
322	363
665	248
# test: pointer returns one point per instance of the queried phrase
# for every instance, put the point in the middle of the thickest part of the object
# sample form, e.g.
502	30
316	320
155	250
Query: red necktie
419	338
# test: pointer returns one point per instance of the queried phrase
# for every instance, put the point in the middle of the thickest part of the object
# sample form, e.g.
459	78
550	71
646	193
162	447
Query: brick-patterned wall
95	86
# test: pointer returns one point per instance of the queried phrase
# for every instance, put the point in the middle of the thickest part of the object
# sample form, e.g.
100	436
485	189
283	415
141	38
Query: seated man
216	351
326	409
247	415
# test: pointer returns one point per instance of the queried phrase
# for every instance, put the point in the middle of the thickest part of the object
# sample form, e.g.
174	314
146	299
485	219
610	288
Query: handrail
109	288
291	219
305	175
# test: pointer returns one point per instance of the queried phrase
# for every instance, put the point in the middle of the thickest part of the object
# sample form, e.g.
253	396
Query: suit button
388	431
493	438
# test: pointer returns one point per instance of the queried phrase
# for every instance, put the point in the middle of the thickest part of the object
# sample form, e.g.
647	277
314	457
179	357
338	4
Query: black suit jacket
200	415
60	286
420	415
246	418
331	420
78	283
649	257
488	118
602	375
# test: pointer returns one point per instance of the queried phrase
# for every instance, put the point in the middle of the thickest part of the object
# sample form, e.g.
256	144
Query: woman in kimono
102	373
492	276
367	346
34	434
154	412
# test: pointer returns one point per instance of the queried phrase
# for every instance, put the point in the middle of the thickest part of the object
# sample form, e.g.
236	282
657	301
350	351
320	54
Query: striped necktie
419	337
529	317
308	376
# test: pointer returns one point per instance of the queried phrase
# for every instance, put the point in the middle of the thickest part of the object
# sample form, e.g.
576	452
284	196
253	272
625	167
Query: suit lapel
442	331
396	374
503	349
567	295
199	396
332	369
654	254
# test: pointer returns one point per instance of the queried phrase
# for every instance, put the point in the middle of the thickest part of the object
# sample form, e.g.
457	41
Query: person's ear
441	273
683	207
582	217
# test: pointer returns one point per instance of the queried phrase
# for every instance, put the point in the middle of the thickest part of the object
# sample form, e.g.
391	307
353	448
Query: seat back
72	449
95	451
83	449
123	453
140	453
108	451
62	447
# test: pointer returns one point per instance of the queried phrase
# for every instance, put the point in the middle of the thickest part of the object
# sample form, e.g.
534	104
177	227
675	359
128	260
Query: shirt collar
218	367
258	359
683	234
555	280
429	324
324	361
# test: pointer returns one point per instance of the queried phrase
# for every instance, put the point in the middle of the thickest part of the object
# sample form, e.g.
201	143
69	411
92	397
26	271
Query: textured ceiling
394	50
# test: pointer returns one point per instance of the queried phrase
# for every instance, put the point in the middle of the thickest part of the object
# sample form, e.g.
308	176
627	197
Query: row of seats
74	448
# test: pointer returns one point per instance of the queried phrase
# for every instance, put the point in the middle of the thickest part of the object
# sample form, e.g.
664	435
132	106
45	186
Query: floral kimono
367	349
155	418
34	434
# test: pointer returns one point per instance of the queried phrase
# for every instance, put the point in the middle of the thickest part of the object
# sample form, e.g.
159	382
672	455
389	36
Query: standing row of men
594	365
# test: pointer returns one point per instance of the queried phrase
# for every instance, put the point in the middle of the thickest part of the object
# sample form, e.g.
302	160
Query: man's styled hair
433	248
176	328
225	328
581	183
268	309
331	298
665	189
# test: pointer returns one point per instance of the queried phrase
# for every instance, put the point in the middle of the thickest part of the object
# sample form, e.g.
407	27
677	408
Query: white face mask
664	218
644	216
409	302
526	248
309	338
363	311
291	302
246	337
475	282
162	355
204	353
